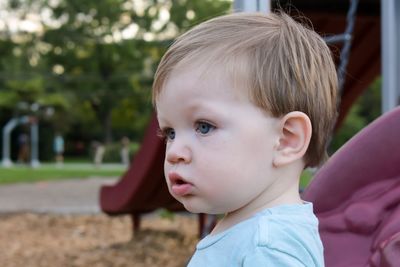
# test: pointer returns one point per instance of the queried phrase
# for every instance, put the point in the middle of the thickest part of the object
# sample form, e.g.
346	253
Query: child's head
282	66
234	98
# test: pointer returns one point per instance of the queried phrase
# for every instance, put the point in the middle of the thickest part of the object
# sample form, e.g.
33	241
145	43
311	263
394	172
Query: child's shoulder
280	236
288	232
286	223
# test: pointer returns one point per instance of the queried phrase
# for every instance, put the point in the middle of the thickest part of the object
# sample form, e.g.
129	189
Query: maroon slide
356	197
142	188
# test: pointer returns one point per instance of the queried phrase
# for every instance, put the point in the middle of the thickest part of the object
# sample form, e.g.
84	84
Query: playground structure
356	197
34	139
142	189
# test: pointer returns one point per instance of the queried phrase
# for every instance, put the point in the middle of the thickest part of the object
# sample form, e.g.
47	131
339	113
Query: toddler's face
219	145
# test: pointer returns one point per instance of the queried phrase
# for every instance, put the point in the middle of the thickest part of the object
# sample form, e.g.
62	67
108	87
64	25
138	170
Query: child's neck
290	196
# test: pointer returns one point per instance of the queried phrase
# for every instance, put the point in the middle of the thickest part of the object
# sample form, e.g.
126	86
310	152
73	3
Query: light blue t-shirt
281	236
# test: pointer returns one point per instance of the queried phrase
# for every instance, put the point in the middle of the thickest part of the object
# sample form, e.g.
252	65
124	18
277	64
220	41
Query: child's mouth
179	186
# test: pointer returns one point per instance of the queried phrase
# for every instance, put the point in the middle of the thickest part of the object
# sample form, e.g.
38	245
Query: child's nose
178	151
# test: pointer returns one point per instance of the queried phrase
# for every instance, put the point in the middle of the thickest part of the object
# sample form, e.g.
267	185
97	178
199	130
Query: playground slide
356	197
142	188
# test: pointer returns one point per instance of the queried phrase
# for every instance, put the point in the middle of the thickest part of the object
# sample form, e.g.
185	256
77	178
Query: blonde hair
284	65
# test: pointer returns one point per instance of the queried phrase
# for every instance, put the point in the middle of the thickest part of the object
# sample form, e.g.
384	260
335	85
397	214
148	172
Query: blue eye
168	134
204	127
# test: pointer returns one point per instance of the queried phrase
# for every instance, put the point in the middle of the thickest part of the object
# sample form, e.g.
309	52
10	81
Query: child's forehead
208	68
201	80
207	76
217	67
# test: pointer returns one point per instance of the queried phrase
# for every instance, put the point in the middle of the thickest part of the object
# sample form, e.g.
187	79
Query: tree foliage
92	61
366	109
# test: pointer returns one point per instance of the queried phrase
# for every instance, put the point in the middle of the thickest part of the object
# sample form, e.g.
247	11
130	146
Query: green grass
18	174
45	172
306	178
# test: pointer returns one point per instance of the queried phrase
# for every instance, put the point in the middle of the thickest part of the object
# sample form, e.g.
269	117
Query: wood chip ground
43	240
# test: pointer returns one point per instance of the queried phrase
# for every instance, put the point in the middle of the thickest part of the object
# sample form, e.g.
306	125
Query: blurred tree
107	52
91	61
366	109
100	56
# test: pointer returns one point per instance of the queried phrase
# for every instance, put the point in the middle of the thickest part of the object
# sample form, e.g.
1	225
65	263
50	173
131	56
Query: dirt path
63	196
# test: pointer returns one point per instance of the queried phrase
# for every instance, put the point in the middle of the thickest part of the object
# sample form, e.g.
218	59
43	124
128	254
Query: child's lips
179	186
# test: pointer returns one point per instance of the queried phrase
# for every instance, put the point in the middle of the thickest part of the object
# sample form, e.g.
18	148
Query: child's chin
194	209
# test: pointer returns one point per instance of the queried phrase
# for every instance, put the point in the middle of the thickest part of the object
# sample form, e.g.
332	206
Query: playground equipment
356	197
390	13
34	139
142	188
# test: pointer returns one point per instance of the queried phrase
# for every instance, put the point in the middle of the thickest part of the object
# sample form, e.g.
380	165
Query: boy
245	103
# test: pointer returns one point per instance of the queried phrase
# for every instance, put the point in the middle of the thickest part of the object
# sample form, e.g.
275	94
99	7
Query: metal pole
344	54
252	6
6	142
390	18
34	143
11	124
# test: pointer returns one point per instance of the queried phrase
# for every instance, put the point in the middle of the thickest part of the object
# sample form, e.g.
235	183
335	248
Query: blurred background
82	71
85	68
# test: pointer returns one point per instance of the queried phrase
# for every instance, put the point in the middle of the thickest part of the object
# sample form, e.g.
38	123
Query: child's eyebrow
194	107
161	120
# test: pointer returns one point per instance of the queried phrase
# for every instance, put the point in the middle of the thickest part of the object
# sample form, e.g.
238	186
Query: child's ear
295	135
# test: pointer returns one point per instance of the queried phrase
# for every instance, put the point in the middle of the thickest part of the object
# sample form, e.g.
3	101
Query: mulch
42	240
